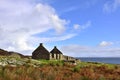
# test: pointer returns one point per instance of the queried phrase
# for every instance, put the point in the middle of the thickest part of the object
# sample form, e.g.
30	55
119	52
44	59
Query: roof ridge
55	50
41	48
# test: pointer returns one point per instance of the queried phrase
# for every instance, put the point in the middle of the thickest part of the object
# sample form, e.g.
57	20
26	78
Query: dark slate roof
56	51
41	49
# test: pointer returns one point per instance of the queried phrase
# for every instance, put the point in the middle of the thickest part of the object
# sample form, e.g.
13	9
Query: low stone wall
63	57
68	58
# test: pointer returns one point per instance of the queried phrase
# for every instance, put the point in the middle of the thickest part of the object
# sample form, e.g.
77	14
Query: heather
15	68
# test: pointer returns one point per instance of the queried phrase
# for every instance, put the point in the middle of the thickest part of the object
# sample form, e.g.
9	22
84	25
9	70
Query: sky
79	28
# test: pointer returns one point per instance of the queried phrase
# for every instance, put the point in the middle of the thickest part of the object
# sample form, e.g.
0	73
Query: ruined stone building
42	53
56	54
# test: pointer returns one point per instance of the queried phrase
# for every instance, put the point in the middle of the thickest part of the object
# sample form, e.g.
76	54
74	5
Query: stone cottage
42	53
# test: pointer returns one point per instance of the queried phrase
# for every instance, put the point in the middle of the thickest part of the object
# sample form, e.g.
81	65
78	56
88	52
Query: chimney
41	44
55	47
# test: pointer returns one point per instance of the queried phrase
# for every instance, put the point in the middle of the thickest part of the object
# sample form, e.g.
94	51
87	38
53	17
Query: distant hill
7	53
4	53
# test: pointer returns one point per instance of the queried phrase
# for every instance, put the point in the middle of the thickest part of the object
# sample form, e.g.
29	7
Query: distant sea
111	60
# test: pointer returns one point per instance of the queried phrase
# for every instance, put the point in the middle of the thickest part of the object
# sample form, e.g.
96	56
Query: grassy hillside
16	68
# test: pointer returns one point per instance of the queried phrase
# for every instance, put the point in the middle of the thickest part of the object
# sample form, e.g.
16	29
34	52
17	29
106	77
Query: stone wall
51	57
41	56
60	57
56	56
68	58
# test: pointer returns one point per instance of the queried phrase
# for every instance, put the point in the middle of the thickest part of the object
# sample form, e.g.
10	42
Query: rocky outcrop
15	61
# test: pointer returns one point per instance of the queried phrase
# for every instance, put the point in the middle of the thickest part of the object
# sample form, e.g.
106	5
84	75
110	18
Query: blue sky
84	28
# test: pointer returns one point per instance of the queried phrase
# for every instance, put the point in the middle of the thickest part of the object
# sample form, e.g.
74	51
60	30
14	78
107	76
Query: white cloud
76	26
89	51
20	20
57	23
111	6
105	43
51	39
81	27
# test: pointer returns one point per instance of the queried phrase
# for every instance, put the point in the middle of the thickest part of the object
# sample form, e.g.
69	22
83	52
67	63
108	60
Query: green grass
85	64
57	70
52	62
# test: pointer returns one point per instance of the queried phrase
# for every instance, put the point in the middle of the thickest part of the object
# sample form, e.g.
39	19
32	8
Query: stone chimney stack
55	47
41	44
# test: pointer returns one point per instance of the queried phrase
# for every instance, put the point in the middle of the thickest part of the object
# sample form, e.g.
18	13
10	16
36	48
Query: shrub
58	70
76	69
